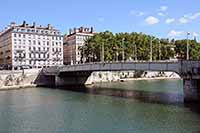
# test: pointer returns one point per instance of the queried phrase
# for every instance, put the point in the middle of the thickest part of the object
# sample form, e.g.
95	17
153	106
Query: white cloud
189	18
169	20
195	34
100	19
140	13
174	33
151	20
195	16
161	14
163	8
183	20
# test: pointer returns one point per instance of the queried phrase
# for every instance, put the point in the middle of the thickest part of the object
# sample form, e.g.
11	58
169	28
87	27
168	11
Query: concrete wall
191	90
9	79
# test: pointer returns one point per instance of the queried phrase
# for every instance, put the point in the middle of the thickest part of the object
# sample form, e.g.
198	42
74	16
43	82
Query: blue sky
162	18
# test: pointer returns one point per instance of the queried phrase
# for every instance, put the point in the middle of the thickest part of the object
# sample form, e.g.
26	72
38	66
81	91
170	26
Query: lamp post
135	51
151	49
159	50
123	49
188	46
102	52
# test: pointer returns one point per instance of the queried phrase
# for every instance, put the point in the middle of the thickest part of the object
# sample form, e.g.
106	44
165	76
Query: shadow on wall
44	80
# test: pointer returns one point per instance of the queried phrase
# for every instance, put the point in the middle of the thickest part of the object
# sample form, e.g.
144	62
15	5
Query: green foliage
134	46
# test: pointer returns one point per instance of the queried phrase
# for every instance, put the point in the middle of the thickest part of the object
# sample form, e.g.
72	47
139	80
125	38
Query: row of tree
106	46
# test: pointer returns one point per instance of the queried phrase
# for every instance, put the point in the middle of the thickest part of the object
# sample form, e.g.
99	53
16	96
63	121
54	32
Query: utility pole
188	46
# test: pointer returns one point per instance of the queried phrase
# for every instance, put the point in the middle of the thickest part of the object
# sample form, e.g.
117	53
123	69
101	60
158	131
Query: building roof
25	25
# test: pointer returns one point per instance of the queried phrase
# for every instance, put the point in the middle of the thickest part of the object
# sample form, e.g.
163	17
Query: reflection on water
152	91
48	110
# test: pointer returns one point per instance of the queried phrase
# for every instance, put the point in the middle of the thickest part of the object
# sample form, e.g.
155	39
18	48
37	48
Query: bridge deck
124	66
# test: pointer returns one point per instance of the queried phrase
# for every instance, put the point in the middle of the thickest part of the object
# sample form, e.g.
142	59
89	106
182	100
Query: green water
46	110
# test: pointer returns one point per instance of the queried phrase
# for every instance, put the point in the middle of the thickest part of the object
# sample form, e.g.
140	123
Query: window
15	35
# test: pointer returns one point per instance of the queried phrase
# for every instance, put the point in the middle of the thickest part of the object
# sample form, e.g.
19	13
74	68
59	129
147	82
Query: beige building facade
31	45
72	43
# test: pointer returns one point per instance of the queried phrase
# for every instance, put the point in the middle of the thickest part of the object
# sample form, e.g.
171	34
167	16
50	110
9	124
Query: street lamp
188	33
102	52
123	49
134	51
151	49
159	50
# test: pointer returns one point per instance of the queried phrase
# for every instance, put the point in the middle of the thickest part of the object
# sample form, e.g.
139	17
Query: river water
148	106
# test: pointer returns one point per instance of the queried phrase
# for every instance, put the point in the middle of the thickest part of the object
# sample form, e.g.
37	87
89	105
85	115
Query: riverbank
155	78
12	80
98	77
16	87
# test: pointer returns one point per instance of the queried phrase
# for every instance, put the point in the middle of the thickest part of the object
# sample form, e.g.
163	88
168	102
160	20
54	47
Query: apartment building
72	43
36	46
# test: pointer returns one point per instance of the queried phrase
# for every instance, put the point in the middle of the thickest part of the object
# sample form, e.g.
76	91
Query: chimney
12	24
24	24
34	25
81	29
92	30
70	31
49	26
74	30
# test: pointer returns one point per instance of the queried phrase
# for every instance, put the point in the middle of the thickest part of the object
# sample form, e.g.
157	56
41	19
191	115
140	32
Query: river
146	106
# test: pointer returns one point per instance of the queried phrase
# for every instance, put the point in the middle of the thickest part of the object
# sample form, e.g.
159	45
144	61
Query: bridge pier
191	89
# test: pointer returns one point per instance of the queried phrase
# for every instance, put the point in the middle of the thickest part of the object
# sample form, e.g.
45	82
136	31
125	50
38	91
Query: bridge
189	71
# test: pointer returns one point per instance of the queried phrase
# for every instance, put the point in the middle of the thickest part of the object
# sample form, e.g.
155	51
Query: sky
161	18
